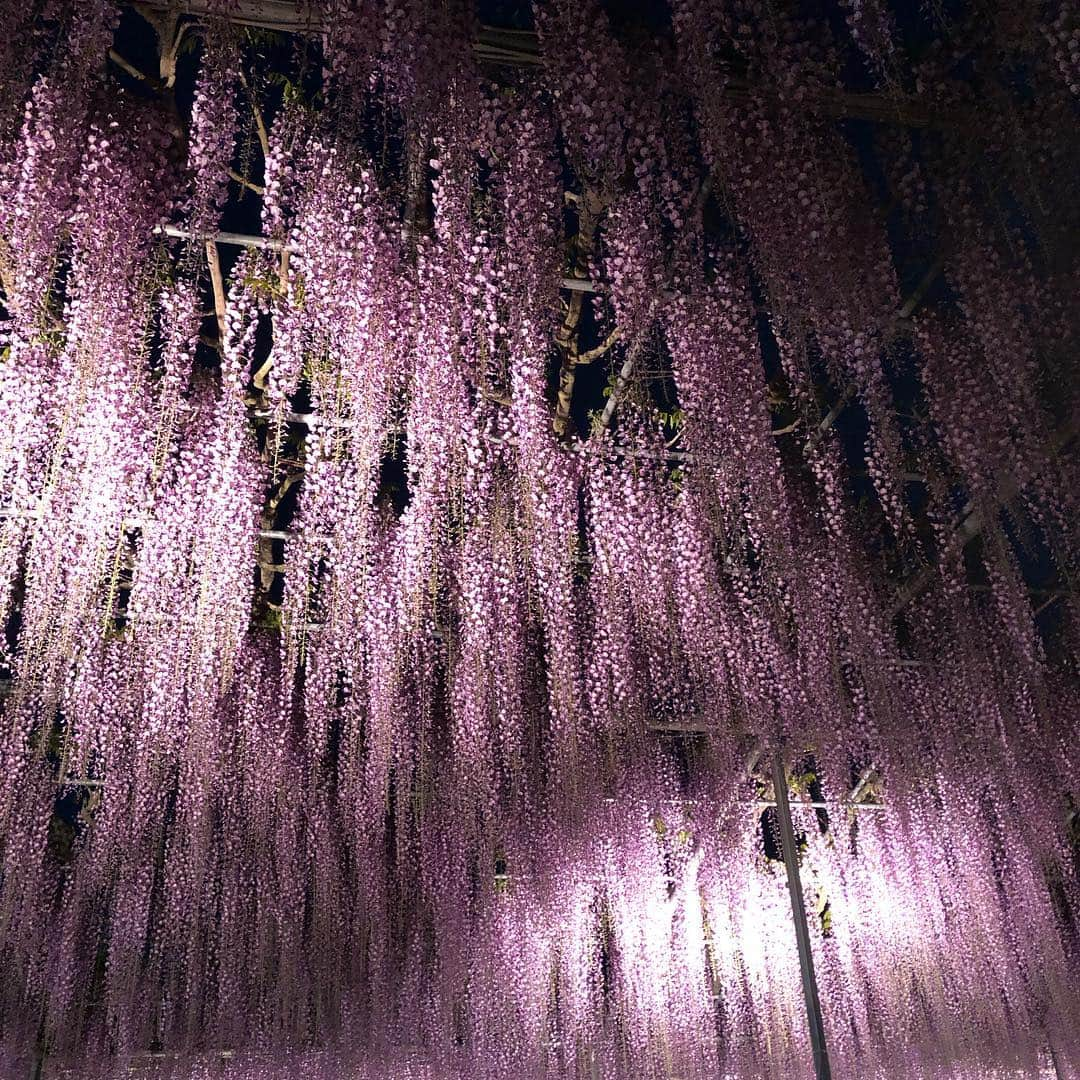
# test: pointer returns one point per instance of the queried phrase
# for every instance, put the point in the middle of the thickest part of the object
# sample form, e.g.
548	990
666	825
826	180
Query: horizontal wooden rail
520	48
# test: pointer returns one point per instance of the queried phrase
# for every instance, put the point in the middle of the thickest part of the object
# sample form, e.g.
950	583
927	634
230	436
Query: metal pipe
846	804
249	240
1054	1063
814	1019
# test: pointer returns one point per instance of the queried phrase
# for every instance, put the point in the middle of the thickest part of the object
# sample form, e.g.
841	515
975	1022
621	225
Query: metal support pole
798	911
1054	1064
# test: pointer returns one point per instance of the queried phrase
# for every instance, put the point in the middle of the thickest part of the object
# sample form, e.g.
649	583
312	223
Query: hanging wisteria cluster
400	616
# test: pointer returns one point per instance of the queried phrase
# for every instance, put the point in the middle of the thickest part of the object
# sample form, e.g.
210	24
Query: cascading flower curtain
400	616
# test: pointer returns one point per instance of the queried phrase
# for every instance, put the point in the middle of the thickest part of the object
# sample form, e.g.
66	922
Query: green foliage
824	912
47	739
292	93
271	287
263	36
612	383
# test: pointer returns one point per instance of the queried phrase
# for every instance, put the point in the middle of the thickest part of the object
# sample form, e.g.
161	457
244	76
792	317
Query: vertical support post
37	1064
1054	1064
822	1069
218	284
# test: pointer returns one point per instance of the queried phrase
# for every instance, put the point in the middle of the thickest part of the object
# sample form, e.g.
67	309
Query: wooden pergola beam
974	520
520	48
